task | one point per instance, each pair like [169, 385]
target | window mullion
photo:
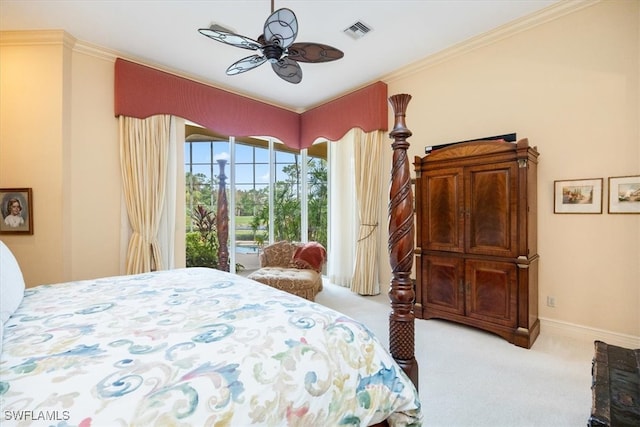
[190, 186]
[304, 220]
[231, 196]
[272, 186]
[212, 172]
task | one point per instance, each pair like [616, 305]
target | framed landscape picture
[624, 194]
[17, 211]
[578, 196]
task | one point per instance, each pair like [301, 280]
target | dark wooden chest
[616, 387]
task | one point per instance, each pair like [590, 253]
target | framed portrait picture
[624, 194]
[578, 196]
[17, 211]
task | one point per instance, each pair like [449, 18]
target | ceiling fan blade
[281, 27]
[232, 39]
[245, 64]
[313, 52]
[288, 69]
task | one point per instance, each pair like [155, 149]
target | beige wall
[59, 136]
[95, 181]
[570, 85]
[32, 137]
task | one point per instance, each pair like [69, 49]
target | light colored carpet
[473, 378]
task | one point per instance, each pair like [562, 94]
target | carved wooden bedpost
[401, 242]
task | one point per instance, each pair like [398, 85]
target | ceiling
[164, 34]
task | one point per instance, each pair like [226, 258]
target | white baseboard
[571, 330]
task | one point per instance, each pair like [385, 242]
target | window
[273, 192]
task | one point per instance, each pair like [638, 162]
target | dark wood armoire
[476, 237]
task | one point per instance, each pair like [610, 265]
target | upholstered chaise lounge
[292, 267]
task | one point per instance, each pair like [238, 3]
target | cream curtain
[167, 227]
[144, 151]
[355, 183]
[342, 212]
[367, 162]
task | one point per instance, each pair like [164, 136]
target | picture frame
[16, 207]
[578, 196]
[624, 194]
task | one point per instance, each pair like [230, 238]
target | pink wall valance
[365, 108]
[141, 92]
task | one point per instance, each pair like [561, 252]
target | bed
[203, 347]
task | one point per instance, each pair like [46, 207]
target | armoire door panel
[492, 210]
[443, 210]
[492, 291]
[444, 284]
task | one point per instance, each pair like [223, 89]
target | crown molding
[96, 51]
[37, 37]
[548, 14]
[54, 37]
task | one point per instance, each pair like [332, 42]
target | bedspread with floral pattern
[193, 347]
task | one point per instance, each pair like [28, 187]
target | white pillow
[11, 283]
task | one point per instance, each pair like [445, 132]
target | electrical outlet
[551, 301]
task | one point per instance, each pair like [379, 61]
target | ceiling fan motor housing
[272, 52]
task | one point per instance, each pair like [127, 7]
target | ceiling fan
[276, 45]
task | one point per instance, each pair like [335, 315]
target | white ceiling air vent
[358, 30]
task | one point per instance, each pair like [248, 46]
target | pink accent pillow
[311, 256]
